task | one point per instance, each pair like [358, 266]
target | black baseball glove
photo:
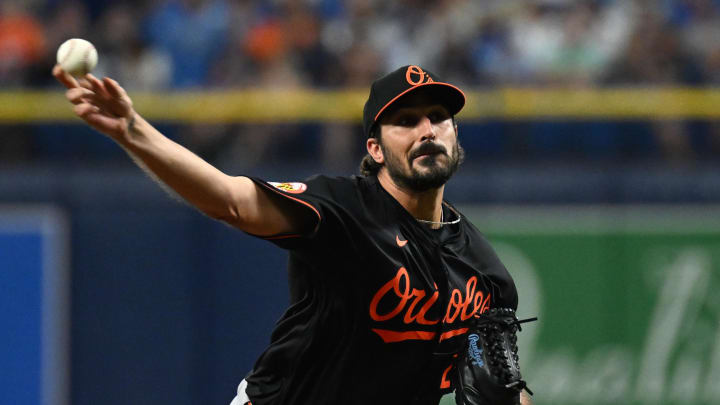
[488, 372]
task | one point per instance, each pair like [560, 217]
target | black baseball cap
[393, 86]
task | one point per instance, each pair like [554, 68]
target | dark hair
[368, 165]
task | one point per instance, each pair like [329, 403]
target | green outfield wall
[628, 300]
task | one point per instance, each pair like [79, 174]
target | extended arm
[105, 106]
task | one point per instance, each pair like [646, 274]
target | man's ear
[374, 149]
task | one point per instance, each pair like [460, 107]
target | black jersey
[380, 303]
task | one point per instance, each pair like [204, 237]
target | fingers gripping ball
[77, 56]
[488, 371]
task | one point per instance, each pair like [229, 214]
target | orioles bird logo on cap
[414, 72]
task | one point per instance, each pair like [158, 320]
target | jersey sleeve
[318, 194]
[506, 294]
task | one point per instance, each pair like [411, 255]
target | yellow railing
[256, 106]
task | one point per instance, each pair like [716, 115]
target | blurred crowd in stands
[182, 44]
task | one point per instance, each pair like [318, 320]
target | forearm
[525, 398]
[105, 106]
[208, 189]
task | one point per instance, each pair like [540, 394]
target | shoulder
[317, 184]
[479, 243]
[336, 187]
[332, 181]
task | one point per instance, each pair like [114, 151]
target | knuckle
[83, 110]
[79, 110]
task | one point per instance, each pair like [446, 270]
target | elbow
[226, 217]
[230, 202]
[230, 215]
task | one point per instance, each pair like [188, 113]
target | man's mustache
[428, 148]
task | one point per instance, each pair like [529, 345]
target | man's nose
[427, 130]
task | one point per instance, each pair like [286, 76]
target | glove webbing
[492, 326]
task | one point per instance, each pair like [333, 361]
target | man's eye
[407, 121]
[437, 116]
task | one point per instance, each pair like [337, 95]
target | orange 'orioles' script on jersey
[462, 304]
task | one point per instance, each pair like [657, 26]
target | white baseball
[77, 56]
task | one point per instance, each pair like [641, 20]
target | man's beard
[434, 177]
